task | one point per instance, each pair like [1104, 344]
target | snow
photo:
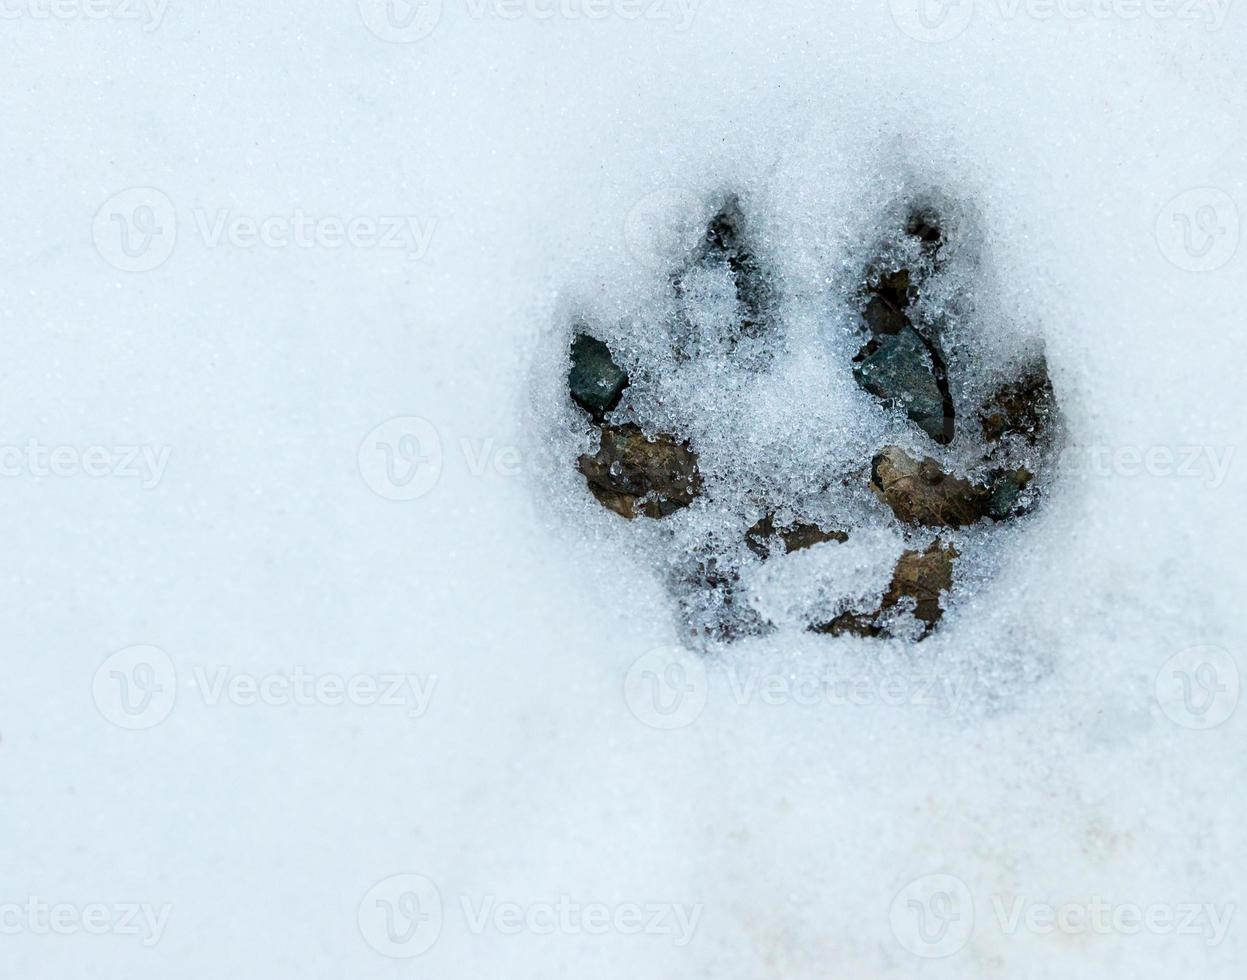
[380, 689]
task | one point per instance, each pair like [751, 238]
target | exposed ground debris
[762, 537]
[637, 475]
[1021, 408]
[918, 585]
[596, 382]
[902, 363]
[919, 492]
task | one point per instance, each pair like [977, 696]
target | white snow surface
[783, 819]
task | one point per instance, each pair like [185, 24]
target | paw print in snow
[827, 460]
